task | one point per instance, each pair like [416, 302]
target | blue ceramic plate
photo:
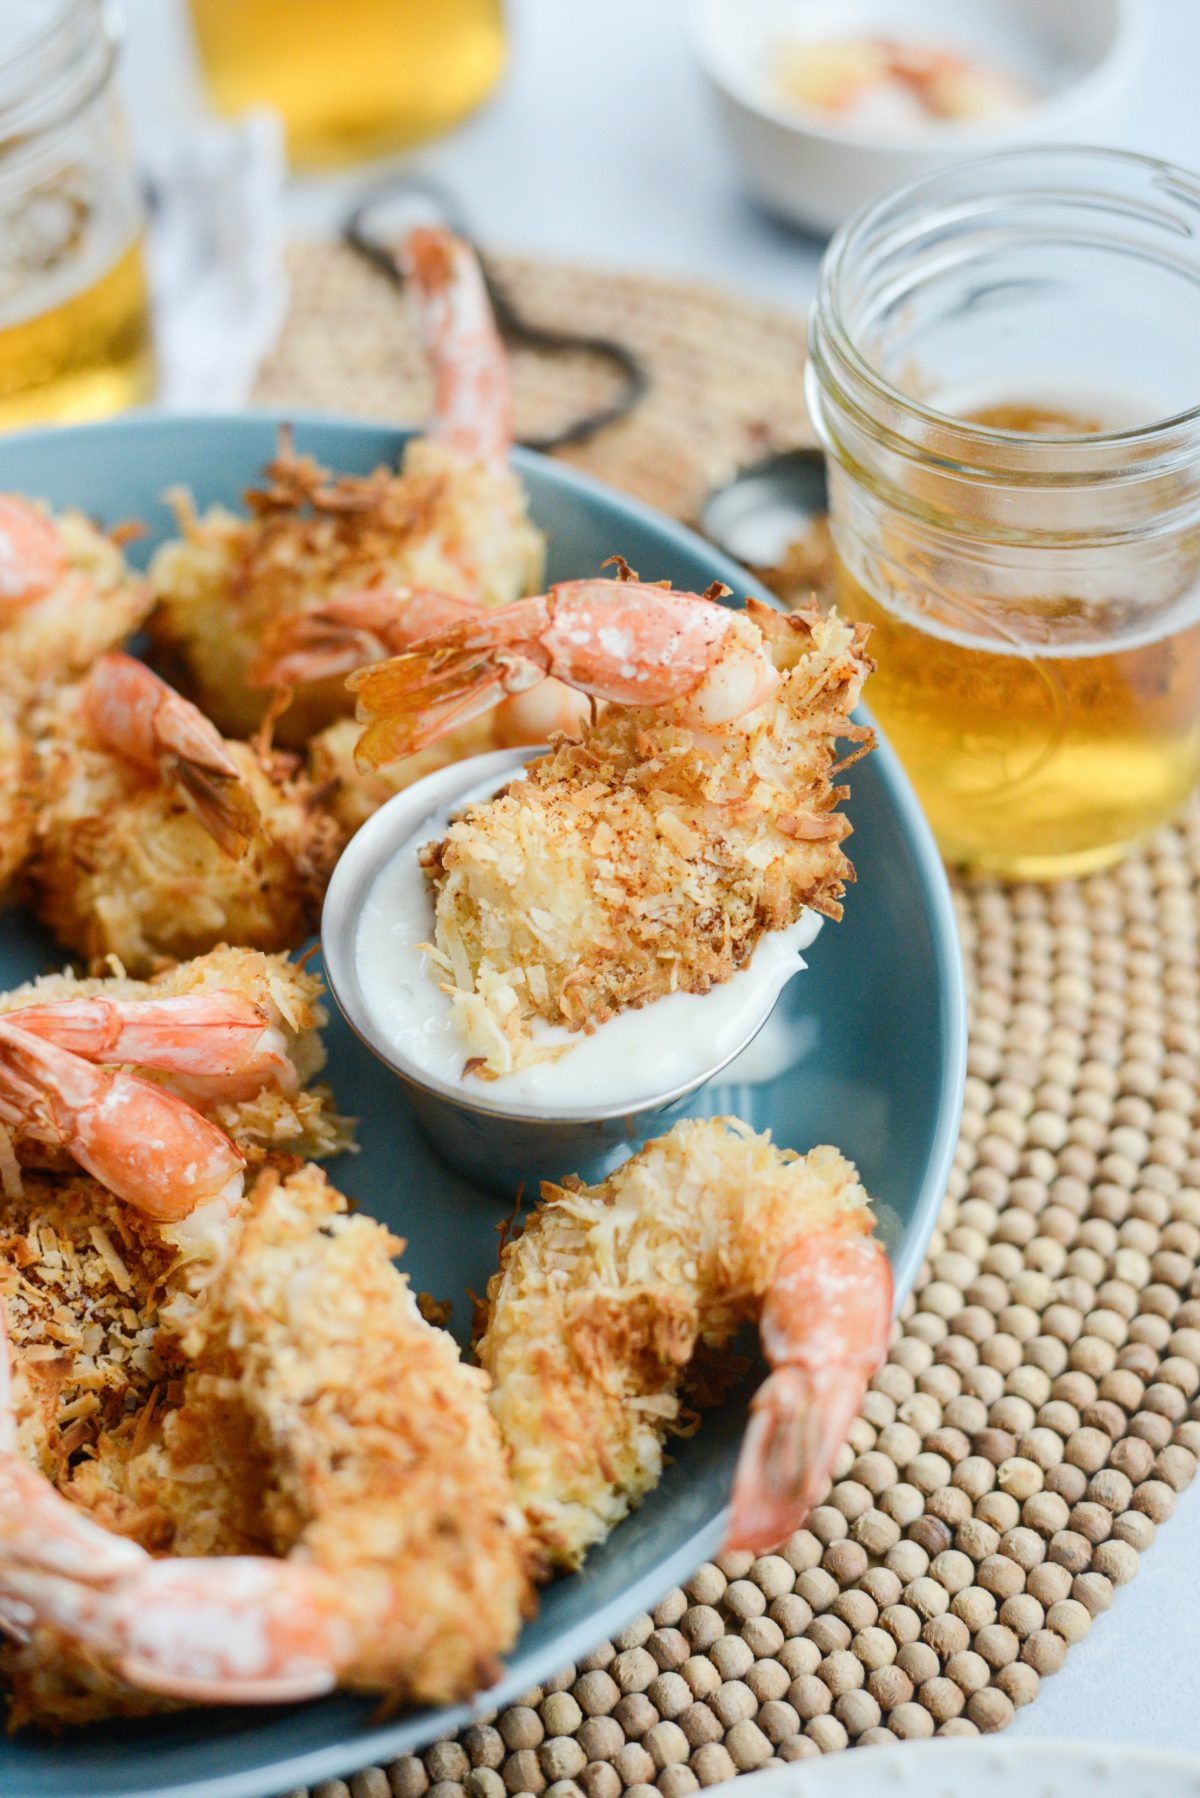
[876, 1047]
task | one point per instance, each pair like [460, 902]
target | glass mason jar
[351, 78]
[74, 310]
[1005, 374]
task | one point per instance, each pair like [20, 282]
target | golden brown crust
[445, 523]
[292, 1401]
[122, 866]
[649, 858]
[601, 1303]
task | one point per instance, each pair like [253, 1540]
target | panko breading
[311, 1413]
[271, 1121]
[121, 864]
[603, 1299]
[446, 522]
[385, 1466]
[79, 1278]
[96, 602]
[649, 858]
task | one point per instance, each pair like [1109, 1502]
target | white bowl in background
[1079, 56]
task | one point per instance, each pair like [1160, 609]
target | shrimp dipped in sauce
[236, 596]
[66, 597]
[156, 839]
[650, 855]
[608, 1293]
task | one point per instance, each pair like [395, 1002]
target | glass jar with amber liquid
[351, 78]
[75, 337]
[1005, 374]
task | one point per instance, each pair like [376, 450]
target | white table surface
[599, 146]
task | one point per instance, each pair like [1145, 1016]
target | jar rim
[836, 353]
[52, 75]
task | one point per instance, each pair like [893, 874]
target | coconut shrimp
[66, 596]
[453, 520]
[156, 839]
[651, 855]
[604, 1299]
[235, 1032]
[364, 1533]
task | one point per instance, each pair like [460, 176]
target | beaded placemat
[1037, 1414]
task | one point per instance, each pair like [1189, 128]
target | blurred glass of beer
[351, 78]
[1005, 373]
[75, 338]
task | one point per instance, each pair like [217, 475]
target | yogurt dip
[673, 1043]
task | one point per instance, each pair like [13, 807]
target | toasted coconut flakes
[111, 1259]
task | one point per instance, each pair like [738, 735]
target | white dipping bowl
[1078, 55]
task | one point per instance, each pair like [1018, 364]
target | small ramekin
[477, 1134]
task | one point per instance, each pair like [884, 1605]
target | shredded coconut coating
[299, 1405]
[79, 1276]
[386, 1467]
[96, 604]
[603, 1300]
[121, 866]
[648, 858]
[445, 522]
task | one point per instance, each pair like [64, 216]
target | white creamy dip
[626, 1061]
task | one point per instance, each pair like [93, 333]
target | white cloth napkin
[216, 257]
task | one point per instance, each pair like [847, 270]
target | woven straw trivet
[1037, 1414]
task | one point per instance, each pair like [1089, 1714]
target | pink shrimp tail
[353, 630]
[230, 1630]
[824, 1327]
[138, 716]
[217, 1044]
[472, 393]
[144, 1143]
[416, 699]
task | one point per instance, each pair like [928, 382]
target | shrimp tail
[221, 801]
[798, 1422]
[139, 717]
[145, 1144]
[413, 700]
[472, 394]
[824, 1328]
[230, 1630]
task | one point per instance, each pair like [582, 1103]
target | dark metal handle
[429, 201]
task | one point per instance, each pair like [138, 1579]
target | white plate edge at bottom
[981, 1767]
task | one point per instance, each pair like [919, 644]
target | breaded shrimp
[235, 1031]
[392, 1556]
[454, 519]
[651, 855]
[603, 1299]
[156, 839]
[66, 596]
